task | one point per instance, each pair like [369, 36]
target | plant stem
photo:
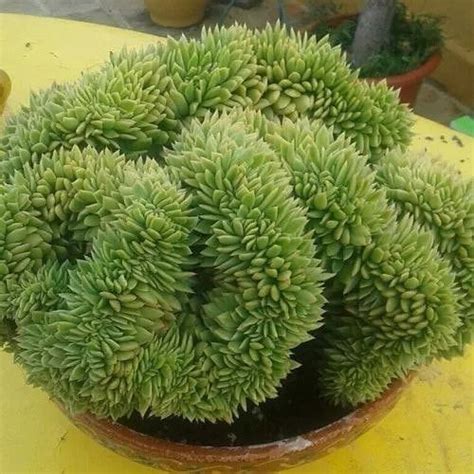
[373, 30]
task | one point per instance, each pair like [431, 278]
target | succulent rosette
[175, 224]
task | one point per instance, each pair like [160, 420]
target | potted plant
[385, 40]
[207, 233]
[176, 13]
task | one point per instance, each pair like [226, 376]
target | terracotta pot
[408, 83]
[5, 89]
[270, 457]
[176, 13]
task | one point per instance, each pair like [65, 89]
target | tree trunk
[373, 30]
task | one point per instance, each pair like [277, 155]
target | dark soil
[298, 409]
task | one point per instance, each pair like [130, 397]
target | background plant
[385, 39]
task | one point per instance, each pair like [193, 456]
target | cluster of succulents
[442, 202]
[168, 225]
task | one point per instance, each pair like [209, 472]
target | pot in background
[176, 13]
[408, 83]
[269, 457]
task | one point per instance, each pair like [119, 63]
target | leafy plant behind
[413, 39]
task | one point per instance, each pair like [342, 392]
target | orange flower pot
[176, 13]
[270, 457]
[409, 83]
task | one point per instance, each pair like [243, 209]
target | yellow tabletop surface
[431, 430]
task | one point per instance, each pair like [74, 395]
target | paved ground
[433, 102]
[131, 13]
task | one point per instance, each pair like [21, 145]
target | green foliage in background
[412, 39]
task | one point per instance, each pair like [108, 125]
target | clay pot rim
[316, 440]
[411, 76]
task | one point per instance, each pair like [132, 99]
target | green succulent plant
[168, 225]
[398, 297]
[125, 330]
[139, 100]
[442, 202]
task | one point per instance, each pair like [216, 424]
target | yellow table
[431, 430]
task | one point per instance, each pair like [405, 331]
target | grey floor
[129, 14]
[433, 102]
